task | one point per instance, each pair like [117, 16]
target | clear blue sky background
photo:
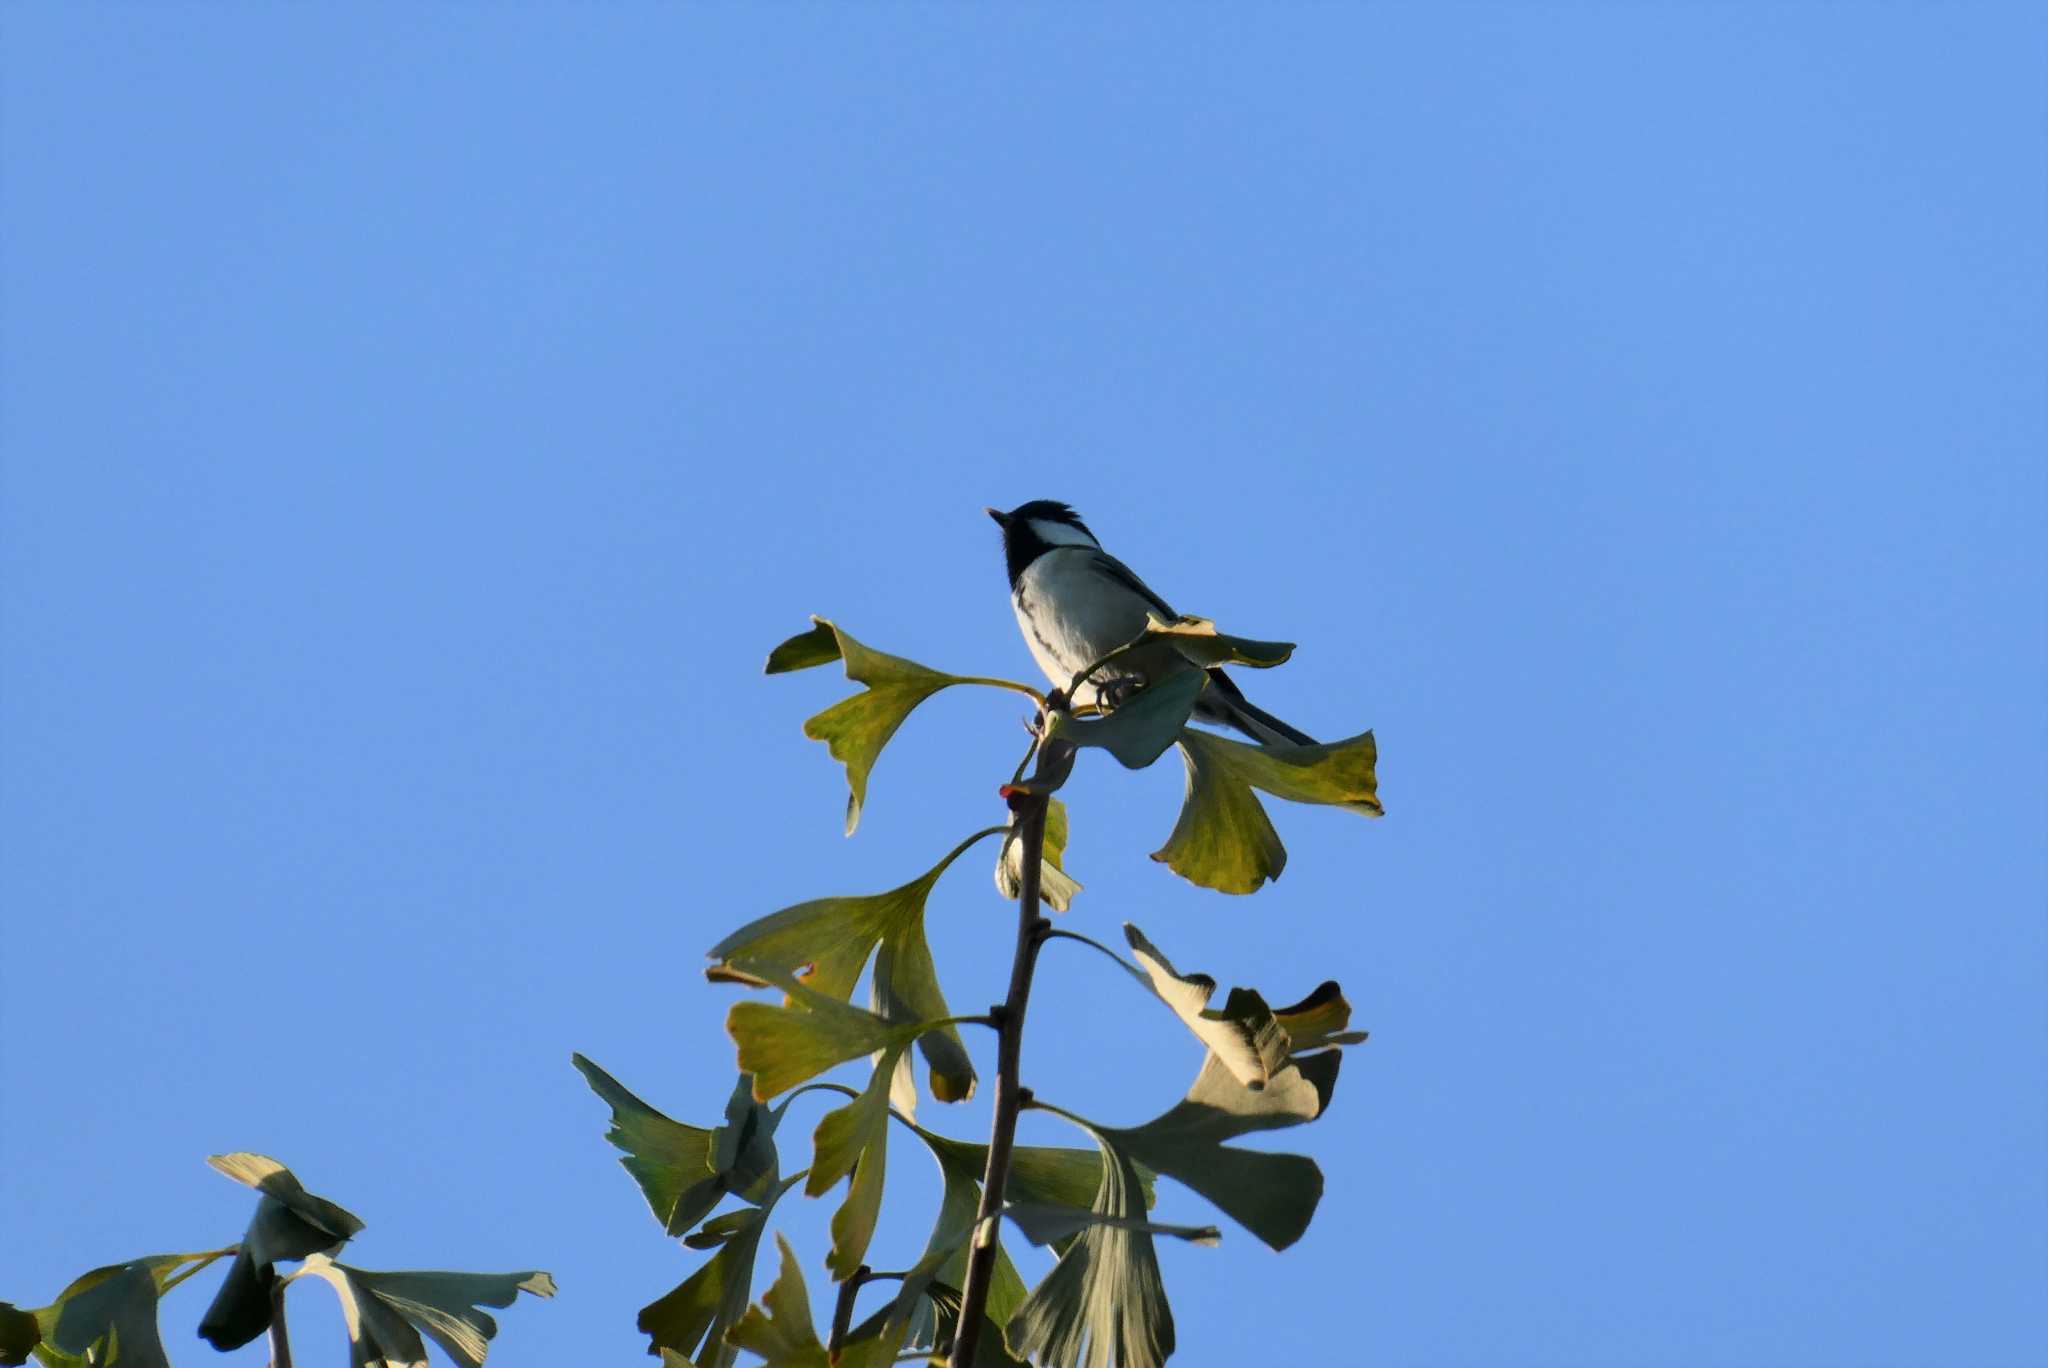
[420, 420]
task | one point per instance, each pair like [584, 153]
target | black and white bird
[1076, 603]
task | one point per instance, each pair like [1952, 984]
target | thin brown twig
[1028, 802]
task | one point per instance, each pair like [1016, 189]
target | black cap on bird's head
[1032, 529]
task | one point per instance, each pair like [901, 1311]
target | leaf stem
[1055, 760]
[203, 1260]
[1129, 968]
[1012, 685]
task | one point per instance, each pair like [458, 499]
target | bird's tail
[1224, 702]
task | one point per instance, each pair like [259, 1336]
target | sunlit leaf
[791, 1043]
[289, 1223]
[1104, 1303]
[1244, 1035]
[1318, 1020]
[698, 1312]
[780, 1328]
[1224, 839]
[1143, 726]
[386, 1313]
[828, 940]
[856, 729]
[1199, 643]
[855, 1139]
[819, 646]
[1056, 888]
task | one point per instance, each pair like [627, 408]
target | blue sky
[418, 422]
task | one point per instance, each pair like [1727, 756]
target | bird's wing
[1123, 574]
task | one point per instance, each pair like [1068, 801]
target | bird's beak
[1002, 519]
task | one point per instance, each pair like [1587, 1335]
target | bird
[1076, 603]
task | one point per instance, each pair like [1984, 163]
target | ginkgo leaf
[855, 1139]
[1318, 1020]
[779, 1329]
[385, 1313]
[1223, 838]
[1104, 1302]
[827, 942]
[289, 1223]
[1138, 730]
[791, 1043]
[927, 1300]
[697, 1313]
[1199, 643]
[1271, 1195]
[856, 729]
[106, 1316]
[1244, 1035]
[673, 1163]
[1056, 888]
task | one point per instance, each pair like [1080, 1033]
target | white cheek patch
[1060, 534]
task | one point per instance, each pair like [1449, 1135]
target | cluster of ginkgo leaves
[108, 1318]
[1103, 1303]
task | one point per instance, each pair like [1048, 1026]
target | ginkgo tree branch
[1029, 802]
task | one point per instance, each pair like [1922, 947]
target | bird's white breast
[1072, 614]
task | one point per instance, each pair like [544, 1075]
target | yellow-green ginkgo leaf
[1244, 1034]
[807, 1033]
[779, 1328]
[105, 1316]
[856, 729]
[1199, 643]
[827, 942]
[1224, 839]
[1056, 888]
[692, 1319]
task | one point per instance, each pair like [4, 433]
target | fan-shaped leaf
[1104, 1302]
[1318, 1020]
[808, 1033]
[1271, 1195]
[1199, 643]
[828, 940]
[699, 1311]
[1056, 888]
[1245, 1036]
[856, 729]
[1223, 839]
[855, 1139]
[779, 1329]
[674, 1164]
[105, 1316]
[1140, 729]
[386, 1312]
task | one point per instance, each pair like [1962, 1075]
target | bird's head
[1032, 529]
